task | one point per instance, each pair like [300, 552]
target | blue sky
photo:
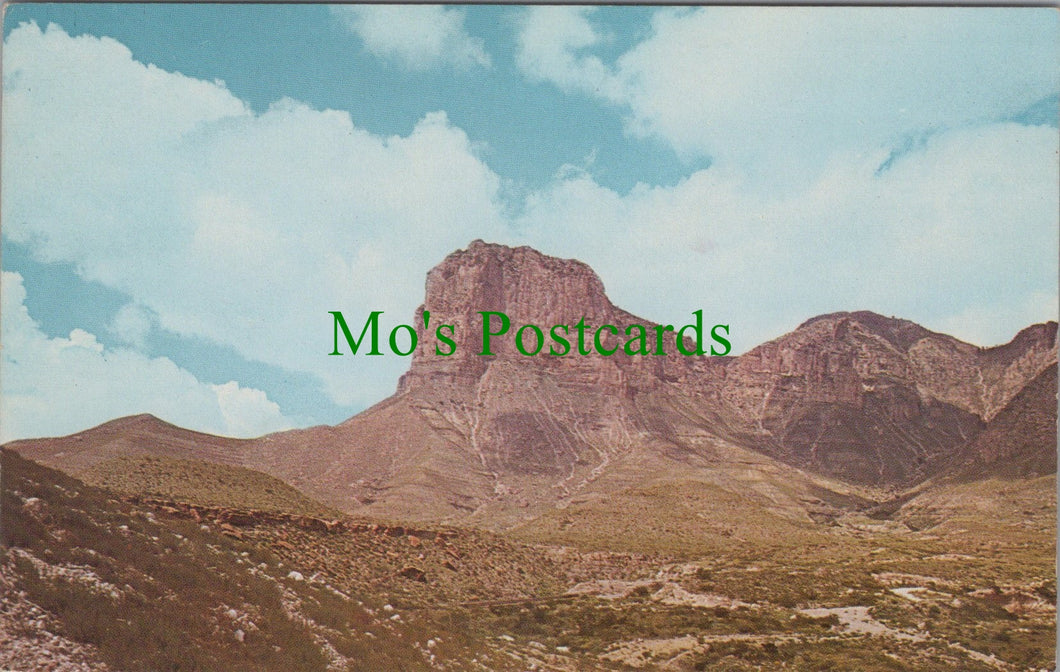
[188, 189]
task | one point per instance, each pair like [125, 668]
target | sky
[188, 190]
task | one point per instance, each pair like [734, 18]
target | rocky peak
[842, 357]
[530, 288]
[524, 284]
[541, 414]
[841, 395]
[898, 332]
[835, 358]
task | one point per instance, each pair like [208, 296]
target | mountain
[859, 493]
[854, 397]
[877, 400]
[804, 426]
[132, 436]
[500, 439]
[1020, 441]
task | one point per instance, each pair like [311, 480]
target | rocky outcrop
[532, 288]
[1020, 440]
[982, 380]
[229, 519]
[543, 414]
[527, 286]
[859, 397]
[839, 395]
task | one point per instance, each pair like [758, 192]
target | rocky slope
[134, 436]
[88, 582]
[879, 400]
[801, 424]
[1020, 441]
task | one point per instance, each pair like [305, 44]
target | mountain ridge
[849, 402]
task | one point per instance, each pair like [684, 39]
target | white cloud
[54, 386]
[779, 89]
[420, 37]
[244, 229]
[548, 50]
[246, 410]
[132, 323]
[961, 234]
[859, 160]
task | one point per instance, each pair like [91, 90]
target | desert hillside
[861, 493]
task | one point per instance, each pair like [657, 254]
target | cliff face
[852, 358]
[1020, 440]
[541, 414]
[858, 397]
[527, 286]
[532, 288]
[878, 400]
[983, 380]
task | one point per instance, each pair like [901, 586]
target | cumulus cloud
[960, 234]
[860, 159]
[54, 386]
[244, 229]
[247, 410]
[782, 88]
[419, 37]
[552, 46]
[132, 323]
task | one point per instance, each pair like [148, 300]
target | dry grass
[202, 483]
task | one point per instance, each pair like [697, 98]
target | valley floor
[960, 579]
